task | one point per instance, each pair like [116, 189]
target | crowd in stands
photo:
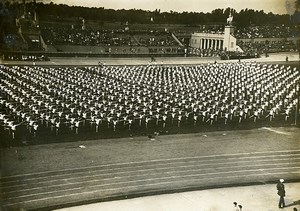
[126, 97]
[12, 41]
[251, 47]
[59, 35]
[160, 40]
[250, 32]
[211, 29]
[267, 31]
[266, 46]
[106, 37]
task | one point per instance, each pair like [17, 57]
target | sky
[275, 6]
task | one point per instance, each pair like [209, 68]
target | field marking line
[276, 131]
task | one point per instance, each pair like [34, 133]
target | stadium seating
[105, 37]
[267, 31]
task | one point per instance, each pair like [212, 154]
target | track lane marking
[149, 161]
[159, 178]
[143, 185]
[158, 164]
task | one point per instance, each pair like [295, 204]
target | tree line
[9, 11]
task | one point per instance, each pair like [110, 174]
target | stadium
[101, 105]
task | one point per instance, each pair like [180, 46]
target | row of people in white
[115, 94]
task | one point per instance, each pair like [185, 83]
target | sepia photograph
[149, 105]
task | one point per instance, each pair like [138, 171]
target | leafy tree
[297, 4]
[54, 12]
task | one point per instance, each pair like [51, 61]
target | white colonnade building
[223, 41]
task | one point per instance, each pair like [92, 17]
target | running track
[46, 190]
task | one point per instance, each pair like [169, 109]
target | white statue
[230, 19]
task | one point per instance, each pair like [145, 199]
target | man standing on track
[281, 193]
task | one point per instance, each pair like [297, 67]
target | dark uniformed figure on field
[281, 193]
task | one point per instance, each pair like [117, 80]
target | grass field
[87, 133]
